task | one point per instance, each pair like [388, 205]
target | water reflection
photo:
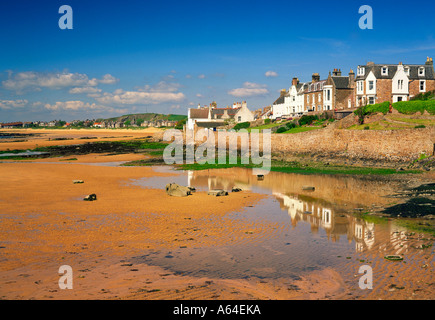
[316, 226]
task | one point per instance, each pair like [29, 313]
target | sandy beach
[45, 223]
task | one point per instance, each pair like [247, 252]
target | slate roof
[429, 73]
[280, 100]
[198, 113]
[211, 124]
[341, 82]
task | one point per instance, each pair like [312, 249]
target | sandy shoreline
[45, 223]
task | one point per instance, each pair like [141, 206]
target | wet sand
[45, 223]
[48, 137]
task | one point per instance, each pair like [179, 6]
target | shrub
[366, 128]
[307, 120]
[242, 125]
[421, 126]
[266, 121]
[383, 107]
[281, 130]
[424, 96]
[411, 107]
[290, 125]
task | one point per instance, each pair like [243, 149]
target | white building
[290, 104]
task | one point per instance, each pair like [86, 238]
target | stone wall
[390, 145]
[379, 145]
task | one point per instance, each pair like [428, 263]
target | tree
[361, 114]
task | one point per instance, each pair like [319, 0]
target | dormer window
[361, 71]
[385, 71]
[421, 71]
[406, 70]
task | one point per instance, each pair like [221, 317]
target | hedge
[242, 125]
[411, 107]
[383, 107]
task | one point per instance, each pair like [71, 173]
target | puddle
[316, 229]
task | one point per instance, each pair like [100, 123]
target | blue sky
[166, 56]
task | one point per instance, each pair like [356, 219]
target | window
[400, 84]
[328, 95]
[319, 97]
[239, 118]
[371, 85]
[308, 99]
[421, 71]
[422, 86]
[406, 70]
[385, 71]
[361, 71]
[371, 100]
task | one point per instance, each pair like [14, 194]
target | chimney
[429, 61]
[336, 73]
[370, 64]
[295, 82]
[283, 92]
[351, 78]
[316, 77]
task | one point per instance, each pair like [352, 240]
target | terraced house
[313, 94]
[290, 103]
[377, 83]
[339, 92]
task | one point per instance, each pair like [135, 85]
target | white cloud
[108, 79]
[160, 93]
[271, 74]
[81, 106]
[249, 89]
[140, 97]
[12, 104]
[79, 90]
[199, 95]
[37, 80]
[201, 76]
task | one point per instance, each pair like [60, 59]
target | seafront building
[341, 95]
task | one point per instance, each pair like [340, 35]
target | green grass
[302, 129]
[298, 168]
[426, 122]
[141, 144]
[417, 226]
[267, 126]
[347, 170]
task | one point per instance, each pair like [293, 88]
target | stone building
[377, 83]
[339, 92]
[313, 95]
[213, 117]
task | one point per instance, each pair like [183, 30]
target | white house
[290, 103]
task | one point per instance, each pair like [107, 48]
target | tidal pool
[313, 229]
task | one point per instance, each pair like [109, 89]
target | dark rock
[91, 197]
[217, 193]
[236, 190]
[175, 190]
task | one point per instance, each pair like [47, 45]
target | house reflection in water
[335, 225]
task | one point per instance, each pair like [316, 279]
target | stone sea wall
[379, 145]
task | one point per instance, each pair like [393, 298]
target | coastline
[48, 225]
